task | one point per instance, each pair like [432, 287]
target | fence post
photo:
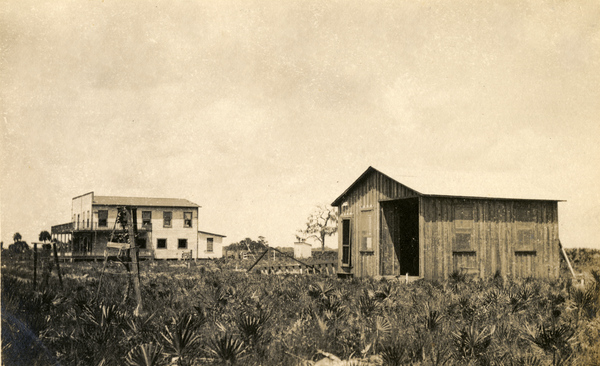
[34, 265]
[57, 265]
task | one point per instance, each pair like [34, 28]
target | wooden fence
[328, 268]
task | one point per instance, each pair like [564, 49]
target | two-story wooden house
[167, 227]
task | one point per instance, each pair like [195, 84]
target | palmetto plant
[226, 349]
[366, 303]
[320, 290]
[432, 319]
[585, 301]
[472, 342]
[252, 328]
[181, 336]
[521, 298]
[392, 354]
[552, 340]
[382, 328]
[137, 327]
[148, 354]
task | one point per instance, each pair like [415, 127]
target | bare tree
[321, 223]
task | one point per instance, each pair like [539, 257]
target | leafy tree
[249, 244]
[18, 247]
[17, 237]
[45, 236]
[321, 223]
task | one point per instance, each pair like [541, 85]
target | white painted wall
[302, 250]
[217, 251]
[172, 234]
[81, 211]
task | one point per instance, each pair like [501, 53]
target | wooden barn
[431, 227]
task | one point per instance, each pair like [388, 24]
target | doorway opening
[400, 237]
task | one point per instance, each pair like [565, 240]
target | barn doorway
[399, 251]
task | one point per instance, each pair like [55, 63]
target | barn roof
[467, 185]
[142, 201]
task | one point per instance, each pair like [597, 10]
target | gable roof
[142, 201]
[464, 185]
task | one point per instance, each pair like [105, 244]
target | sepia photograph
[300, 182]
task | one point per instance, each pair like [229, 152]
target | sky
[259, 111]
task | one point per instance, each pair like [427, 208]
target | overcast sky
[260, 110]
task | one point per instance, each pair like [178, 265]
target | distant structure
[302, 250]
[167, 228]
[430, 228]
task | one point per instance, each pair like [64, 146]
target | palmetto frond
[182, 334]
[472, 342]
[227, 349]
[382, 325]
[432, 319]
[148, 354]
[549, 339]
[252, 328]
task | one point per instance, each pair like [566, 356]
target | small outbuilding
[302, 250]
[210, 245]
[434, 226]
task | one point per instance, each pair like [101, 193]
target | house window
[146, 218]
[122, 217]
[140, 243]
[77, 221]
[167, 216]
[209, 245]
[463, 227]
[161, 243]
[366, 231]
[182, 244]
[346, 243]
[102, 218]
[187, 219]
[88, 219]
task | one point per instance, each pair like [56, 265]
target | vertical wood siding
[494, 238]
[364, 198]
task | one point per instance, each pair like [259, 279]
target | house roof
[213, 234]
[467, 185]
[142, 201]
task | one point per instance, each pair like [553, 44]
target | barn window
[345, 208]
[463, 227]
[209, 244]
[525, 223]
[366, 231]
[102, 218]
[161, 243]
[346, 244]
